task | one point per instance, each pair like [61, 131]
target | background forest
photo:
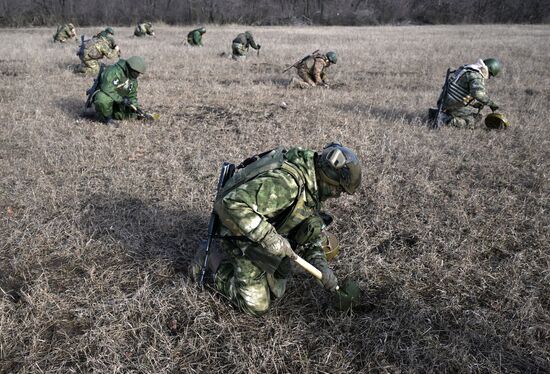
[272, 12]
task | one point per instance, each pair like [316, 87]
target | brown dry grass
[448, 237]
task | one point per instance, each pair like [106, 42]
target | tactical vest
[457, 93]
[305, 203]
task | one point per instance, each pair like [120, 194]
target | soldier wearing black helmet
[269, 210]
[465, 91]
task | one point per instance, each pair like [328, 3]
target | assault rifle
[226, 173]
[295, 65]
[439, 117]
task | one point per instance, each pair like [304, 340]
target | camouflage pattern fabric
[194, 38]
[97, 49]
[64, 33]
[115, 84]
[278, 200]
[312, 70]
[241, 44]
[468, 88]
[143, 29]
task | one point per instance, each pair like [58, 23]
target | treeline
[271, 12]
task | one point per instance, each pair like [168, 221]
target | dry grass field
[447, 237]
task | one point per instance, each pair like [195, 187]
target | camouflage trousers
[298, 83]
[105, 107]
[463, 117]
[247, 286]
[88, 67]
[239, 51]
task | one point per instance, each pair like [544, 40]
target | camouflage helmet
[202, 29]
[332, 57]
[109, 30]
[339, 166]
[493, 65]
[71, 26]
[137, 63]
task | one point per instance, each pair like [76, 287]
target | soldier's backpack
[87, 48]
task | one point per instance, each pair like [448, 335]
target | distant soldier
[241, 44]
[107, 33]
[93, 50]
[269, 210]
[65, 32]
[312, 70]
[194, 38]
[143, 29]
[464, 88]
[115, 93]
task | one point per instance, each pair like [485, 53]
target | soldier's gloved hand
[259, 46]
[329, 280]
[478, 105]
[276, 245]
[127, 102]
[493, 106]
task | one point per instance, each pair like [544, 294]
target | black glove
[127, 102]
[493, 106]
[478, 105]
[329, 280]
[259, 46]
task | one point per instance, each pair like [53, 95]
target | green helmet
[332, 57]
[248, 34]
[137, 63]
[202, 30]
[493, 65]
[109, 30]
[339, 166]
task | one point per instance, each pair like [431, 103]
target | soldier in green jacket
[269, 209]
[194, 38]
[241, 44]
[65, 32]
[115, 97]
[465, 91]
[143, 29]
[92, 51]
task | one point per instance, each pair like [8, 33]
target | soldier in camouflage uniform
[107, 33]
[241, 44]
[115, 96]
[466, 90]
[143, 29]
[194, 38]
[270, 208]
[312, 70]
[65, 32]
[93, 50]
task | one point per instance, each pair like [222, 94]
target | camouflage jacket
[143, 29]
[63, 33]
[116, 83]
[313, 69]
[284, 199]
[194, 37]
[97, 48]
[247, 41]
[464, 86]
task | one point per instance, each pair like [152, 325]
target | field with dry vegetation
[447, 237]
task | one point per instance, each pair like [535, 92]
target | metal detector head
[496, 121]
[347, 295]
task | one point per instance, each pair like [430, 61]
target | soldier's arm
[252, 43]
[318, 67]
[108, 51]
[197, 38]
[133, 94]
[245, 210]
[477, 90]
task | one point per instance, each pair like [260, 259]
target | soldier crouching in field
[144, 29]
[65, 32]
[312, 70]
[269, 210]
[114, 94]
[241, 44]
[464, 91]
[93, 50]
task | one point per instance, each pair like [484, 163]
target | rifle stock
[438, 119]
